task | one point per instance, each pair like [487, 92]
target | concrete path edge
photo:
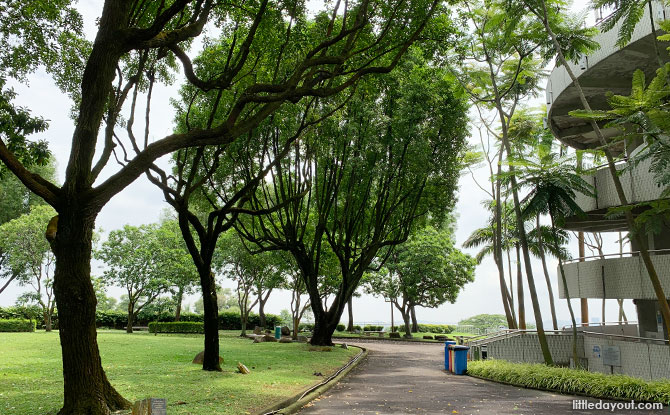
[294, 404]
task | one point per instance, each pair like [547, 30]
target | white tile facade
[614, 278]
[648, 361]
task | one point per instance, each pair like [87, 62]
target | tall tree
[425, 271]
[136, 260]
[17, 200]
[176, 263]
[487, 239]
[370, 172]
[30, 259]
[551, 21]
[507, 48]
[256, 275]
[135, 45]
[553, 184]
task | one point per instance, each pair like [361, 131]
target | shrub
[16, 325]
[176, 327]
[436, 328]
[306, 327]
[340, 327]
[572, 381]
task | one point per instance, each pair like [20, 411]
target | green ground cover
[142, 365]
[571, 381]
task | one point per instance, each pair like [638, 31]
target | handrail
[603, 324]
[618, 255]
[512, 332]
[515, 332]
[625, 337]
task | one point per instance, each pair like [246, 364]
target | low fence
[605, 353]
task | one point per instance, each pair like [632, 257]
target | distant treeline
[119, 319]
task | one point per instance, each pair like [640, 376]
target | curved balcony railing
[610, 68]
[638, 184]
[616, 276]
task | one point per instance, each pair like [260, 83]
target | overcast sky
[142, 203]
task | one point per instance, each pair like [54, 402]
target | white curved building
[640, 349]
[610, 69]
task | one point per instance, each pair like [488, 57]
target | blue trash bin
[460, 359]
[447, 354]
[277, 332]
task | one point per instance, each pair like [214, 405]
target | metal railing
[624, 337]
[617, 255]
[505, 334]
[601, 324]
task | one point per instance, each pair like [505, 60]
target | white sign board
[611, 355]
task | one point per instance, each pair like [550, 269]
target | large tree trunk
[180, 298]
[86, 388]
[519, 287]
[243, 323]
[324, 328]
[296, 327]
[261, 311]
[47, 321]
[415, 324]
[211, 320]
[350, 308]
[131, 315]
[408, 325]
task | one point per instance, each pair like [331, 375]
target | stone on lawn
[394, 335]
[243, 369]
[269, 338]
[441, 338]
[258, 330]
[302, 339]
[199, 358]
[286, 340]
[428, 337]
[285, 331]
[344, 346]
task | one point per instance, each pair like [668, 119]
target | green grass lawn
[141, 365]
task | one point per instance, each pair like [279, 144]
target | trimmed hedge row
[16, 325]
[431, 328]
[119, 319]
[373, 328]
[176, 327]
[571, 381]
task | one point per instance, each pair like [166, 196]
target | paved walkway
[408, 378]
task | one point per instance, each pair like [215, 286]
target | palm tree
[552, 185]
[541, 241]
[548, 18]
[485, 237]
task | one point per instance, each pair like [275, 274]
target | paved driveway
[409, 378]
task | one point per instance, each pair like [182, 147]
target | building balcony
[638, 184]
[609, 69]
[619, 276]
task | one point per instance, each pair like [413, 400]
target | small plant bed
[571, 381]
[142, 365]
